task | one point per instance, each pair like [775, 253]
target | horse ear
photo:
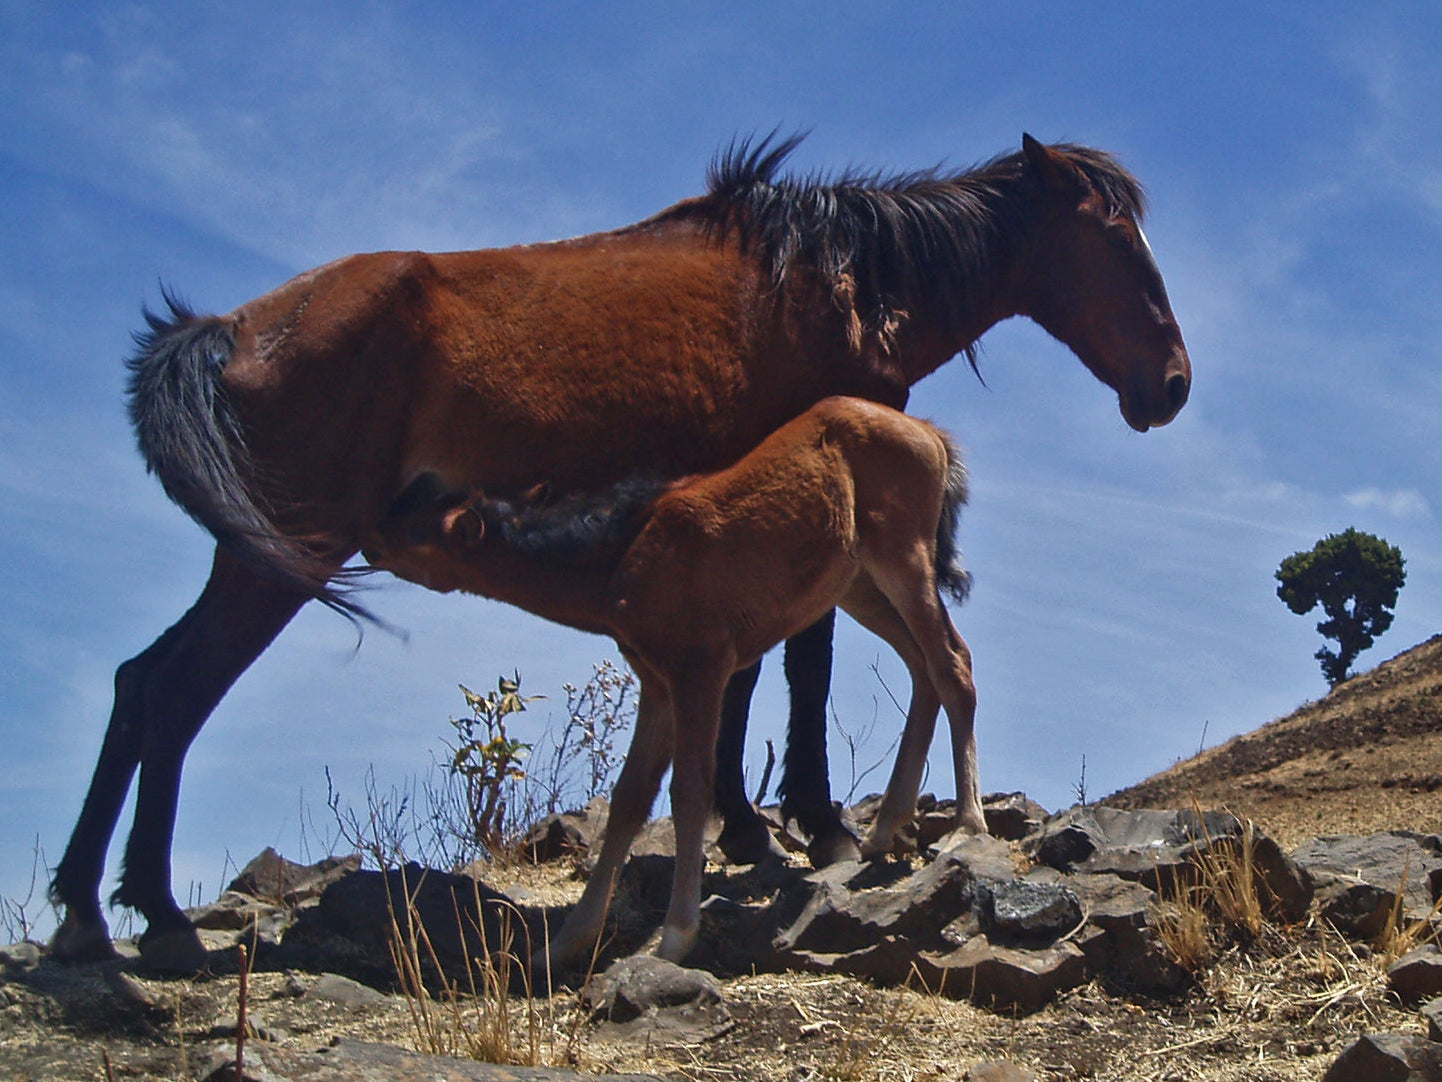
[1056, 172]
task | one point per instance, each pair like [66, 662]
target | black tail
[951, 577]
[193, 442]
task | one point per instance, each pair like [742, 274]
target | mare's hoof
[78, 940]
[833, 847]
[748, 842]
[176, 951]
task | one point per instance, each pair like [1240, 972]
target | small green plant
[1355, 577]
[487, 759]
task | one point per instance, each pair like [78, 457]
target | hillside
[1367, 757]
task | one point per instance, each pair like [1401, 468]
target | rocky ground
[1038, 957]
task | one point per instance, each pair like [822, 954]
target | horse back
[575, 364]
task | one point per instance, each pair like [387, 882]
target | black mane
[891, 239]
[580, 528]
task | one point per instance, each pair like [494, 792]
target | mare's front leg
[162, 698]
[631, 800]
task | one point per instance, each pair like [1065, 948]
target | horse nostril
[1178, 388]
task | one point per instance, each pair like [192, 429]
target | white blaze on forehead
[1147, 248]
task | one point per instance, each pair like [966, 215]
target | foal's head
[1091, 282]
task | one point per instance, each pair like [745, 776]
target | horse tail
[951, 577]
[577, 529]
[191, 438]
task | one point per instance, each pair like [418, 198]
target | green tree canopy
[1355, 577]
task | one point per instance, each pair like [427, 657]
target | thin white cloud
[1399, 503]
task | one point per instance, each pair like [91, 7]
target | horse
[289, 427]
[851, 504]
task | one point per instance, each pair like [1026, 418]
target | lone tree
[1355, 577]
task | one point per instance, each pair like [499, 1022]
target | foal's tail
[951, 577]
[192, 440]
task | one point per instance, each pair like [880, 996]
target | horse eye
[1120, 236]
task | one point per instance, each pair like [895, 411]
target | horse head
[1092, 282]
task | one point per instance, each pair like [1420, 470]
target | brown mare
[851, 504]
[289, 427]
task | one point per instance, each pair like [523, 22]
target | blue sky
[1124, 608]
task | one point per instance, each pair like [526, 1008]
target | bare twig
[766, 773]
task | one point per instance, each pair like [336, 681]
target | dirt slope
[1365, 758]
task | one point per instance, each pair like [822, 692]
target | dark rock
[1012, 816]
[1127, 948]
[269, 877]
[362, 1061]
[1417, 975]
[1166, 850]
[463, 919]
[887, 961]
[1352, 906]
[17, 958]
[567, 833]
[649, 995]
[1003, 977]
[643, 982]
[344, 992]
[1029, 911]
[1067, 840]
[1287, 885]
[842, 915]
[657, 838]
[1386, 860]
[1387, 1057]
[1432, 1012]
[999, 1071]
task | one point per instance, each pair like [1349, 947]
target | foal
[852, 503]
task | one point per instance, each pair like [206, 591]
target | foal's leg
[631, 800]
[162, 698]
[696, 698]
[870, 608]
[910, 586]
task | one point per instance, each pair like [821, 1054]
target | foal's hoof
[833, 847]
[81, 941]
[176, 951]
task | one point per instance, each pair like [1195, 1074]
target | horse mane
[889, 240]
[582, 528]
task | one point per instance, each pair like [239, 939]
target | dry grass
[1194, 917]
[481, 1018]
[1398, 935]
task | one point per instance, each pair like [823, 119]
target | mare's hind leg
[744, 838]
[631, 800]
[162, 698]
[806, 780]
[806, 783]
